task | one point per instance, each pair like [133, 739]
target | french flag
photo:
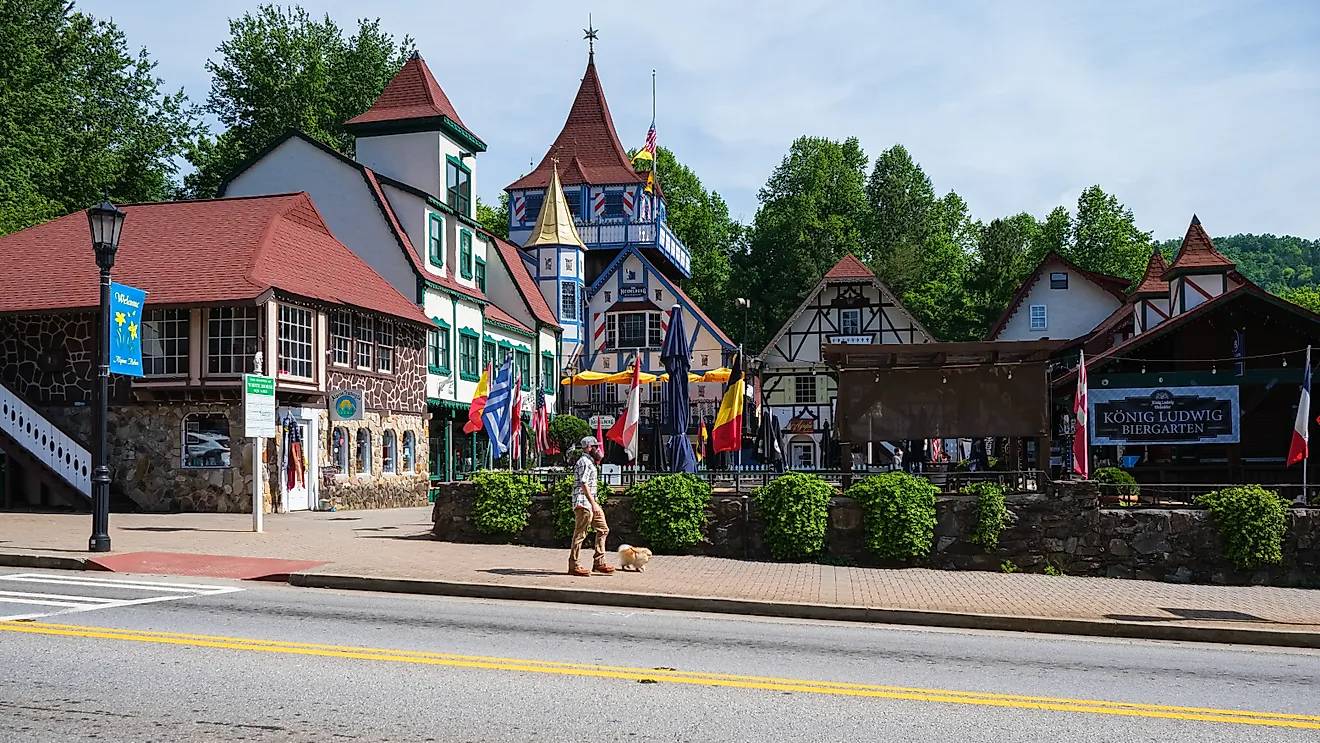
[1301, 428]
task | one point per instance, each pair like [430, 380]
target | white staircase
[44, 442]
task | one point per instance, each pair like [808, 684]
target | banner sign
[1164, 415]
[347, 405]
[259, 406]
[855, 340]
[632, 291]
[801, 425]
[126, 330]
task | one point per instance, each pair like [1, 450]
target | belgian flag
[727, 435]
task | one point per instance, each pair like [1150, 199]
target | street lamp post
[106, 222]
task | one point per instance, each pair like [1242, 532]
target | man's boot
[603, 569]
[578, 571]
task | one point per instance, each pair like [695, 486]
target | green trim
[422, 124]
[526, 378]
[465, 253]
[454, 405]
[470, 333]
[458, 163]
[463, 373]
[481, 274]
[435, 246]
[455, 293]
[504, 344]
[443, 369]
[510, 329]
[549, 381]
[440, 323]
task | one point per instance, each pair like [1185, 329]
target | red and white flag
[1081, 449]
[624, 430]
[541, 425]
[1301, 438]
[515, 439]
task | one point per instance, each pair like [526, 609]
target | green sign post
[259, 422]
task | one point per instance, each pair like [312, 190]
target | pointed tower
[1150, 298]
[412, 133]
[558, 253]
[1199, 273]
[608, 199]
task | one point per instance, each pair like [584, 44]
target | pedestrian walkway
[396, 544]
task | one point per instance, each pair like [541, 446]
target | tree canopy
[81, 116]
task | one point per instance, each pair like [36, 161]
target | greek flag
[498, 413]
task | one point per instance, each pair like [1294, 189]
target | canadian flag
[624, 430]
[1301, 437]
[1081, 450]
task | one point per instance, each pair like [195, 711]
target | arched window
[339, 450]
[363, 451]
[409, 452]
[389, 453]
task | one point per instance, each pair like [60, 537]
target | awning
[691, 377]
[717, 375]
[625, 377]
[585, 379]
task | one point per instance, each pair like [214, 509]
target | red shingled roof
[1198, 251]
[849, 267]
[1152, 282]
[526, 284]
[194, 252]
[587, 146]
[413, 93]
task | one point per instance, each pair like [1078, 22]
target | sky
[1176, 107]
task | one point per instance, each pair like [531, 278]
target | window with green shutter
[435, 243]
[481, 275]
[465, 253]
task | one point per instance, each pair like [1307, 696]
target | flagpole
[1307, 454]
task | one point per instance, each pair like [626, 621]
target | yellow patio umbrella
[717, 375]
[691, 377]
[585, 379]
[625, 377]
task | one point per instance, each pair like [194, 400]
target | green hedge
[898, 514]
[1114, 481]
[991, 513]
[671, 510]
[502, 502]
[1251, 524]
[795, 508]
[561, 504]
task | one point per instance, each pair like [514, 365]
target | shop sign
[801, 425]
[853, 340]
[632, 291]
[1164, 415]
[347, 405]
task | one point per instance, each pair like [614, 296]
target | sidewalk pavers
[396, 544]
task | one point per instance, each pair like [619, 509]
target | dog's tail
[625, 548]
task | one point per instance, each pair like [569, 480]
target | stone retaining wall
[1066, 529]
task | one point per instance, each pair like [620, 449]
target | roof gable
[1198, 253]
[589, 138]
[1112, 284]
[411, 95]
[522, 279]
[673, 287]
[1152, 281]
[173, 251]
[849, 267]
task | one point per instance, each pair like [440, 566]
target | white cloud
[1176, 108]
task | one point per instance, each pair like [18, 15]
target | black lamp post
[106, 221]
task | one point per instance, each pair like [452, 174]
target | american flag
[541, 425]
[650, 139]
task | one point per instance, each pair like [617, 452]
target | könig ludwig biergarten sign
[1164, 415]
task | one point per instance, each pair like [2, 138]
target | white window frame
[385, 346]
[221, 345]
[295, 333]
[799, 388]
[341, 334]
[844, 316]
[568, 301]
[364, 336]
[1043, 317]
[652, 334]
[408, 452]
[168, 333]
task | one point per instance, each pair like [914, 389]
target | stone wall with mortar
[1066, 529]
[353, 488]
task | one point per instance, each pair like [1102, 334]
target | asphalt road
[269, 662]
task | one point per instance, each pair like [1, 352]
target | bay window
[295, 342]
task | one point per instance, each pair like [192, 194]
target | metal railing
[45, 441]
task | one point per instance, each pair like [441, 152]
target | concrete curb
[830, 612]
[44, 561]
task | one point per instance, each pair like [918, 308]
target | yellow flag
[650, 182]
[643, 155]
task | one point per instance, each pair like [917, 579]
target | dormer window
[573, 197]
[1058, 281]
[534, 201]
[460, 186]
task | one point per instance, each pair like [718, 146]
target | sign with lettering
[632, 291]
[801, 425]
[856, 340]
[1164, 415]
[259, 406]
[347, 405]
[126, 329]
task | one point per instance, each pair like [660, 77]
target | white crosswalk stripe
[59, 594]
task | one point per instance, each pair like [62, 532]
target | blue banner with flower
[126, 329]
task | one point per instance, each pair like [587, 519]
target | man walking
[586, 511]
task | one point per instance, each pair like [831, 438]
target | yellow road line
[681, 677]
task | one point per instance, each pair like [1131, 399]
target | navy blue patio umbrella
[677, 412]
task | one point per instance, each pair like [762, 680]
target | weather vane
[590, 36]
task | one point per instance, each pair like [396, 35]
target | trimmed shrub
[567, 431]
[990, 513]
[898, 514]
[1115, 482]
[502, 501]
[671, 510]
[795, 507]
[1251, 523]
[561, 505]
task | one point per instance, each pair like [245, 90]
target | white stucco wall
[1069, 313]
[417, 159]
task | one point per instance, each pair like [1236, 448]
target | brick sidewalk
[396, 544]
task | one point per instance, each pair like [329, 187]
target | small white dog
[633, 558]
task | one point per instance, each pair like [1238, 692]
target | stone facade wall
[404, 390]
[1067, 530]
[347, 488]
[49, 358]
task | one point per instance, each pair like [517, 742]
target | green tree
[1306, 297]
[282, 69]
[81, 116]
[901, 199]
[1105, 237]
[812, 213]
[1005, 256]
[1055, 234]
[494, 220]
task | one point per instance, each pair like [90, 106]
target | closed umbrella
[674, 355]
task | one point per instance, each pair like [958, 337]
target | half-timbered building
[849, 305]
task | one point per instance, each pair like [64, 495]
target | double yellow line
[669, 676]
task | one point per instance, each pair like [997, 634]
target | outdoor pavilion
[903, 392]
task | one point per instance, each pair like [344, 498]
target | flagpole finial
[590, 34]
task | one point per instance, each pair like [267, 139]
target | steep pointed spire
[1152, 282]
[554, 225]
[1198, 253]
[413, 95]
[589, 138]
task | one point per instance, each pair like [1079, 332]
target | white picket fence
[43, 440]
